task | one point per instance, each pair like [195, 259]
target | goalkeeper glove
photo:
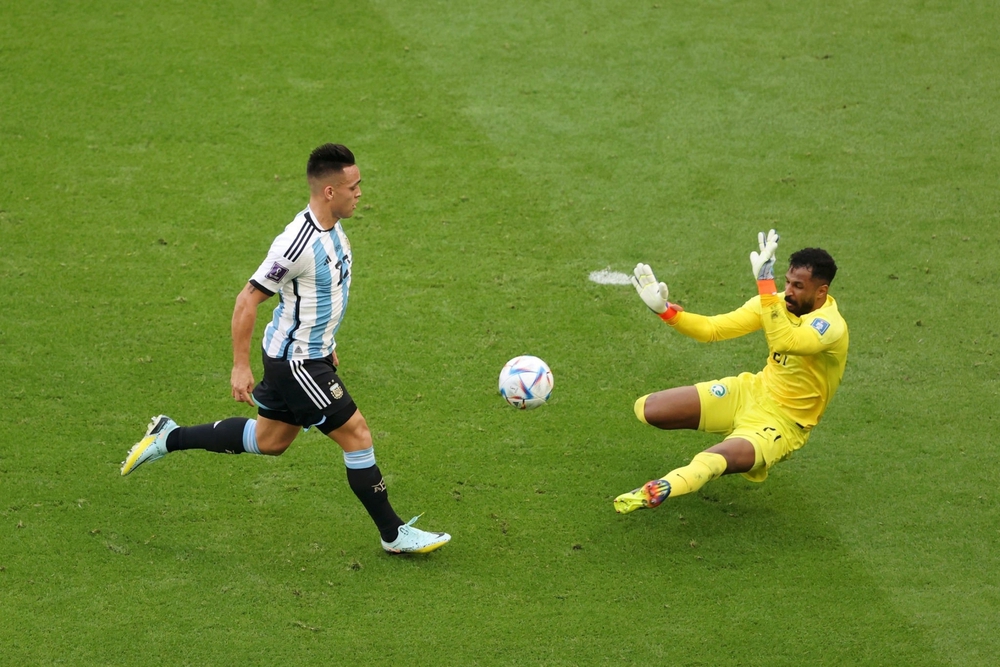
[762, 262]
[653, 294]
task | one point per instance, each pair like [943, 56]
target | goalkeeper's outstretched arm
[739, 322]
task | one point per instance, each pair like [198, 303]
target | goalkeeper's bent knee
[640, 408]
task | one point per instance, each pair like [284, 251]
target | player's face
[802, 290]
[343, 192]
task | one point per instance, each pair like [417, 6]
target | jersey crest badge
[718, 390]
[336, 391]
[276, 273]
[820, 325]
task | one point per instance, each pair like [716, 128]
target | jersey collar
[312, 220]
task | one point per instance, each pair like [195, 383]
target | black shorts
[304, 393]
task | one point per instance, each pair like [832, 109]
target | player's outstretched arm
[699, 327]
[244, 319]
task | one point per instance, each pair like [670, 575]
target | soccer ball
[526, 382]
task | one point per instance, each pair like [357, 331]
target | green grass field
[150, 151]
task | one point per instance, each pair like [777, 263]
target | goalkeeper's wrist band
[766, 286]
[669, 314]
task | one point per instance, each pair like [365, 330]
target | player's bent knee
[352, 435]
[740, 454]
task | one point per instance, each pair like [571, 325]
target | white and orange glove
[654, 294]
[762, 262]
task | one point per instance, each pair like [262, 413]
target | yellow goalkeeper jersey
[806, 357]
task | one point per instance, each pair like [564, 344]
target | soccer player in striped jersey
[762, 417]
[309, 267]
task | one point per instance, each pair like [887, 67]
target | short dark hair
[818, 261]
[328, 158]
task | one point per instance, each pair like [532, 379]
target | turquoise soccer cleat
[153, 445]
[412, 540]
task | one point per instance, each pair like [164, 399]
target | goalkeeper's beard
[798, 309]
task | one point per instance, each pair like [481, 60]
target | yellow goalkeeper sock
[703, 469]
[640, 408]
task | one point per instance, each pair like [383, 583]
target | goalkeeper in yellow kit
[764, 417]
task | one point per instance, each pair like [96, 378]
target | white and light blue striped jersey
[310, 268]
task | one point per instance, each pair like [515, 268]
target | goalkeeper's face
[803, 293]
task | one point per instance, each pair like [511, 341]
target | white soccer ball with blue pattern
[526, 382]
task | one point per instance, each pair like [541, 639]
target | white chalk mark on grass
[609, 277]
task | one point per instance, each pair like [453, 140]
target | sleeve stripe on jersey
[261, 287]
[301, 240]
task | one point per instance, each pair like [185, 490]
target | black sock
[369, 487]
[223, 437]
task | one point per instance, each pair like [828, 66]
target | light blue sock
[361, 459]
[250, 437]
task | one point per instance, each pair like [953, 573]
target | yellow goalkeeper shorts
[738, 407]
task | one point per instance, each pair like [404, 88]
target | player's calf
[677, 408]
